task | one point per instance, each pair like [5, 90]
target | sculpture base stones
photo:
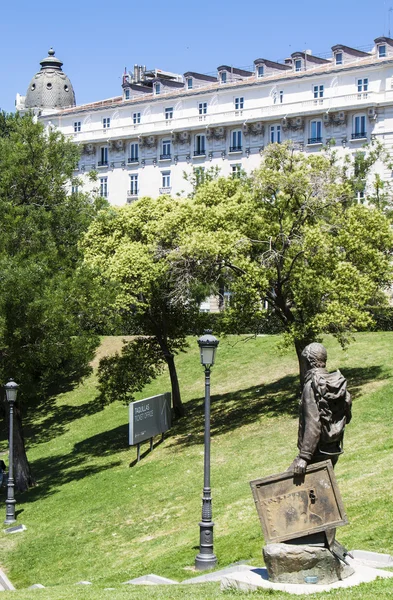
[298, 563]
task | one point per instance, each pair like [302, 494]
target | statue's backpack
[334, 405]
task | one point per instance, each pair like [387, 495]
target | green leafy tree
[48, 299]
[130, 246]
[291, 239]
[122, 375]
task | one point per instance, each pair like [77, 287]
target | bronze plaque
[291, 506]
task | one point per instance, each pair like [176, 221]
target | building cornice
[323, 70]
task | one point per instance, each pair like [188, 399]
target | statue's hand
[299, 465]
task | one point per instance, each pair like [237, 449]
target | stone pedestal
[289, 563]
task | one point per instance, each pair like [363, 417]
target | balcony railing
[133, 160]
[132, 194]
[359, 136]
[200, 153]
[315, 140]
[235, 148]
[165, 157]
[102, 163]
[165, 190]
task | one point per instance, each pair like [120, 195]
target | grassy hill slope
[96, 515]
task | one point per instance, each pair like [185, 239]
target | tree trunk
[177, 404]
[22, 472]
[176, 398]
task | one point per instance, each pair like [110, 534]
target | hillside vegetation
[98, 516]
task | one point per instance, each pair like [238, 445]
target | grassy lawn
[96, 515]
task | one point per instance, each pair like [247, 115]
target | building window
[77, 126]
[136, 118]
[315, 132]
[104, 187]
[168, 113]
[157, 89]
[166, 150]
[236, 170]
[189, 83]
[200, 145]
[239, 103]
[261, 71]
[133, 185]
[275, 134]
[362, 85]
[318, 91]
[281, 94]
[359, 127]
[223, 77]
[382, 51]
[103, 162]
[166, 180]
[202, 108]
[134, 153]
[360, 196]
[339, 58]
[106, 122]
[127, 94]
[298, 64]
[74, 189]
[236, 139]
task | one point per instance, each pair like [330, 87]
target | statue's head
[315, 354]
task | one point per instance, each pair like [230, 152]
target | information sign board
[149, 417]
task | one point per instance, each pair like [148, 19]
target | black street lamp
[206, 559]
[11, 391]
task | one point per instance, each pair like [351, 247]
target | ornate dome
[50, 87]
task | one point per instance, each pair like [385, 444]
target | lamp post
[11, 391]
[206, 559]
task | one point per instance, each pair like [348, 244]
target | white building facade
[142, 142]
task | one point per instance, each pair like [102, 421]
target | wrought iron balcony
[165, 157]
[200, 152]
[235, 148]
[165, 190]
[359, 136]
[133, 160]
[315, 140]
[102, 163]
[132, 193]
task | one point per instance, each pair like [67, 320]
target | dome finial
[51, 52]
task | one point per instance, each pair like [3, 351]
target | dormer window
[127, 94]
[260, 71]
[339, 58]
[157, 88]
[189, 83]
[382, 51]
[223, 77]
[298, 64]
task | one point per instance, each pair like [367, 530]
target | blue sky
[97, 39]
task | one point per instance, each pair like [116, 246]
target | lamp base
[205, 561]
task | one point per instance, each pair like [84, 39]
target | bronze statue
[301, 508]
[325, 409]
